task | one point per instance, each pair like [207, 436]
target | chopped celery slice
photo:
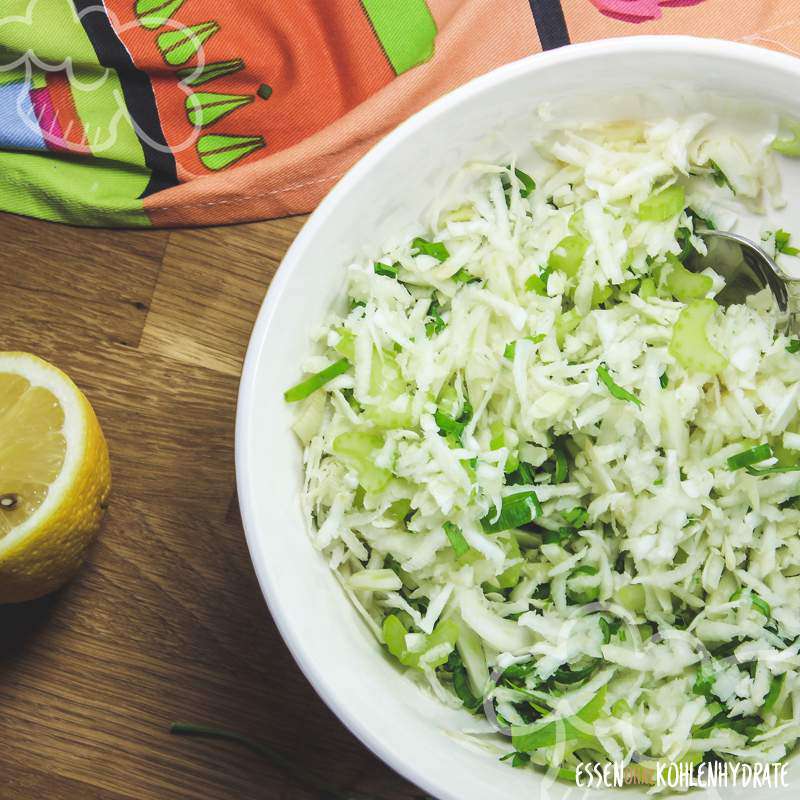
[690, 346]
[357, 449]
[346, 345]
[663, 205]
[632, 597]
[386, 383]
[789, 146]
[316, 381]
[394, 635]
[647, 288]
[686, 285]
[568, 254]
[565, 324]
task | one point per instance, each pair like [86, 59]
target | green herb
[576, 516]
[793, 346]
[558, 536]
[759, 604]
[424, 247]
[516, 510]
[386, 270]
[316, 381]
[518, 672]
[684, 237]
[462, 276]
[609, 629]
[435, 323]
[448, 425]
[569, 676]
[538, 283]
[616, 391]
[704, 681]
[518, 759]
[719, 177]
[753, 455]
[664, 380]
[524, 474]
[528, 183]
[456, 538]
[455, 666]
[782, 244]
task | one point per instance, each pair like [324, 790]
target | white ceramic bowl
[385, 191]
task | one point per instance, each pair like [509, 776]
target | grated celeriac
[547, 343]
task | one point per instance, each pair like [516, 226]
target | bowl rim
[721, 48]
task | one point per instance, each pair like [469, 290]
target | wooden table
[166, 621]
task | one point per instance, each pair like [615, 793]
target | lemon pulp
[32, 448]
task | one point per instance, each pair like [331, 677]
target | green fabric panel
[407, 31]
[100, 189]
[19, 75]
[70, 189]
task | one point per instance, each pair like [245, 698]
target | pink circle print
[638, 10]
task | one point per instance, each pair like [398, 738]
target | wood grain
[166, 621]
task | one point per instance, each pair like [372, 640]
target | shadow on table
[20, 623]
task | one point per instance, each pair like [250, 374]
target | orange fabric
[294, 180]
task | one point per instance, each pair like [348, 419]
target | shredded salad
[556, 477]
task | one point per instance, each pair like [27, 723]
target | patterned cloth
[187, 112]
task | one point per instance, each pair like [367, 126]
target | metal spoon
[746, 267]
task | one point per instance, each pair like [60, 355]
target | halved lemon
[54, 477]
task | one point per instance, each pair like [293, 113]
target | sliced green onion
[561, 471]
[753, 455]
[316, 381]
[568, 254]
[759, 604]
[516, 510]
[614, 389]
[548, 733]
[782, 244]
[775, 470]
[775, 687]
[663, 205]
[690, 346]
[525, 473]
[456, 538]
[426, 248]
[386, 270]
[462, 276]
